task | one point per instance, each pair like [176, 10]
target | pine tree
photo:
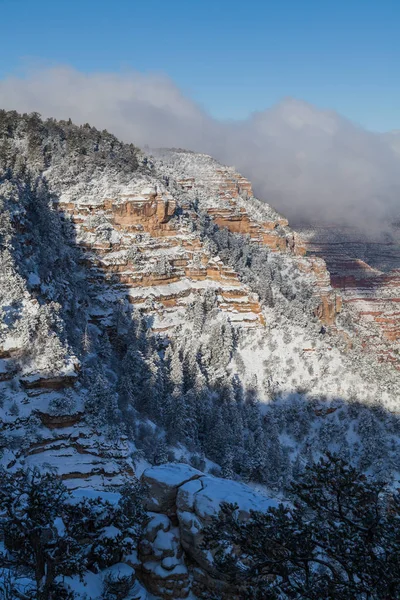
[101, 404]
[338, 539]
[277, 463]
[105, 349]
[86, 341]
[134, 375]
[227, 465]
[160, 452]
[227, 344]
[215, 437]
[177, 417]
[156, 388]
[198, 315]
[176, 373]
[32, 502]
[256, 454]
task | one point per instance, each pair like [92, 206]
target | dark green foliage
[50, 140]
[52, 535]
[32, 503]
[339, 539]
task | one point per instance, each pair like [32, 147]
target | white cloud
[310, 164]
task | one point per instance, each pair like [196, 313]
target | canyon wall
[367, 274]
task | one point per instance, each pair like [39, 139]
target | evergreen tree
[227, 465]
[32, 504]
[86, 341]
[101, 404]
[177, 417]
[156, 388]
[339, 539]
[198, 315]
[277, 462]
[215, 440]
[105, 350]
[135, 374]
[227, 347]
[51, 537]
[160, 452]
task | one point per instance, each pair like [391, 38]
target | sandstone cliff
[226, 310]
[365, 271]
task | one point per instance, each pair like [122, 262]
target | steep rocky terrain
[153, 257]
[367, 274]
[91, 225]
[224, 196]
[153, 310]
[181, 503]
[154, 251]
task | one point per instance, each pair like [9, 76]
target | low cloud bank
[312, 165]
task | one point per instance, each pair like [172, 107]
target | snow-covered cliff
[152, 305]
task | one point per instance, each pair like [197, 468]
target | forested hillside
[177, 316]
[153, 311]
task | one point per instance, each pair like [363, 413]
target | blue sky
[232, 57]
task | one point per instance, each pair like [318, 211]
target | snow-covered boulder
[163, 567]
[183, 502]
[199, 500]
[163, 483]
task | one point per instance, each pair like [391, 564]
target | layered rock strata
[227, 198]
[153, 257]
[367, 273]
[182, 502]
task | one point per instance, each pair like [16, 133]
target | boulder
[183, 502]
[163, 568]
[199, 500]
[163, 483]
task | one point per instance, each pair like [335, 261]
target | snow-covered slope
[152, 308]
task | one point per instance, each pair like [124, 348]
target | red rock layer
[144, 222]
[229, 207]
[372, 293]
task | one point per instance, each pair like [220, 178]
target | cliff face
[227, 198]
[96, 234]
[367, 275]
[170, 263]
[153, 257]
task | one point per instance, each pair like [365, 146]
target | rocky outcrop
[182, 502]
[163, 566]
[43, 436]
[155, 258]
[163, 483]
[329, 301]
[45, 380]
[367, 276]
[227, 198]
